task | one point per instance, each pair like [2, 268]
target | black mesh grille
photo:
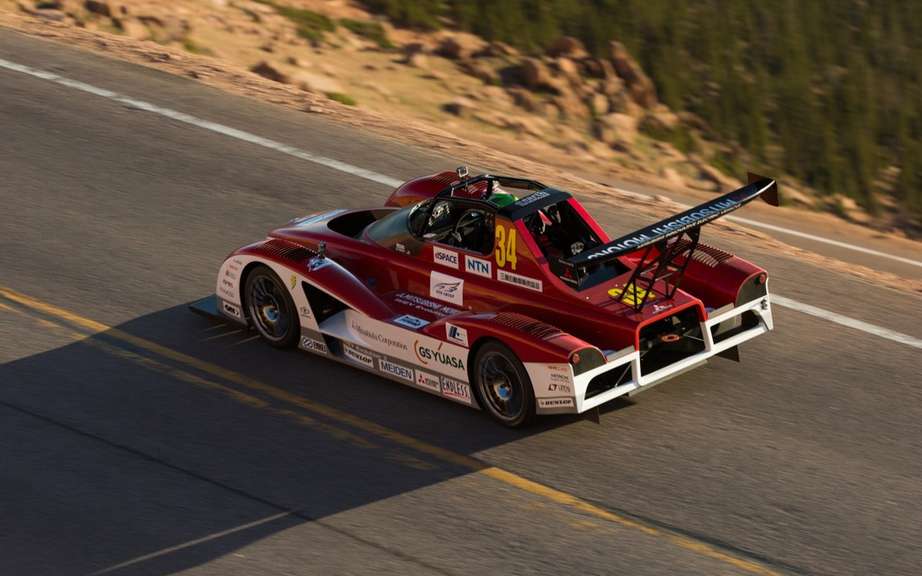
[710, 256]
[287, 250]
[527, 325]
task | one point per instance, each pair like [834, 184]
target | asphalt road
[137, 438]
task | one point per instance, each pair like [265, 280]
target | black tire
[502, 385]
[271, 309]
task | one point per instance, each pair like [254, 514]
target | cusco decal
[505, 252]
[478, 266]
[312, 345]
[445, 257]
[447, 288]
[519, 280]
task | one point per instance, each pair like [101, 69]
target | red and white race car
[500, 293]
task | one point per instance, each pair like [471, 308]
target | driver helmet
[501, 198]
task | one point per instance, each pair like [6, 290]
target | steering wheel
[466, 220]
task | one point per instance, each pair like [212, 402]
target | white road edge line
[190, 543]
[392, 182]
[846, 321]
[206, 124]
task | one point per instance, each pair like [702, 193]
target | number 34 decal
[505, 247]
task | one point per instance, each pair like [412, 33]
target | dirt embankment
[175, 43]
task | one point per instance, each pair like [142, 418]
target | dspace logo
[426, 355]
[445, 257]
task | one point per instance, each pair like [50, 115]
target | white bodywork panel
[398, 351]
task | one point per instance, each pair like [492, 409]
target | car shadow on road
[127, 460]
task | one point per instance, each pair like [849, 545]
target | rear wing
[675, 240]
[676, 225]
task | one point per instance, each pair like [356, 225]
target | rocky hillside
[596, 114]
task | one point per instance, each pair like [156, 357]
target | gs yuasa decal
[434, 356]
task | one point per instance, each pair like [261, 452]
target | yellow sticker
[505, 247]
[633, 297]
[292, 281]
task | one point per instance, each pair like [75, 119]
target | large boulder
[458, 46]
[536, 75]
[523, 99]
[570, 70]
[638, 83]
[101, 7]
[497, 49]
[133, 28]
[459, 106]
[311, 82]
[598, 104]
[478, 69]
[569, 47]
[270, 71]
[616, 129]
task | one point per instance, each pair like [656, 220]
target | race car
[500, 293]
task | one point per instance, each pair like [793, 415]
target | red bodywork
[383, 280]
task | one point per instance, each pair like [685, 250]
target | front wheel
[503, 386]
[271, 308]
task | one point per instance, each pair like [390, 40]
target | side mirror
[462, 172]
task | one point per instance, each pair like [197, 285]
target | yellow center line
[498, 474]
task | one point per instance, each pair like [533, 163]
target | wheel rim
[268, 308]
[500, 385]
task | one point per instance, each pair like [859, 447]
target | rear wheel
[271, 308]
[503, 386]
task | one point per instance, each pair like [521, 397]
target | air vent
[527, 325]
[710, 256]
[287, 250]
[445, 178]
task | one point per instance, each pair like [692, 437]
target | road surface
[137, 438]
